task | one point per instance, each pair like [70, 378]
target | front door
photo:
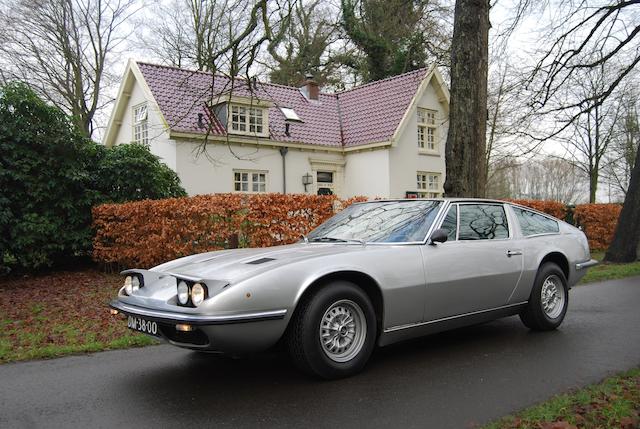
[477, 268]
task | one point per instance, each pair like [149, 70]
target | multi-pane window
[250, 181]
[247, 119]
[140, 129]
[428, 184]
[427, 129]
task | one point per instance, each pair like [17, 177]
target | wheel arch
[559, 259]
[368, 284]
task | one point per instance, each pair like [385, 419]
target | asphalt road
[452, 380]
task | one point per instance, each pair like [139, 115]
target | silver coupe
[374, 274]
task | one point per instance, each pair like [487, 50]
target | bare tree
[466, 139]
[547, 178]
[506, 126]
[592, 132]
[305, 46]
[64, 49]
[622, 151]
[584, 36]
[208, 35]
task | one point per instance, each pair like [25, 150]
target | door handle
[511, 253]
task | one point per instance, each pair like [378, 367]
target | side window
[482, 222]
[532, 223]
[450, 222]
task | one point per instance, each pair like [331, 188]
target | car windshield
[381, 222]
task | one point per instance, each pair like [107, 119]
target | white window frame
[247, 123]
[140, 121]
[427, 132]
[251, 182]
[428, 184]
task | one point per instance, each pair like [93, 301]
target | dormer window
[140, 129]
[247, 120]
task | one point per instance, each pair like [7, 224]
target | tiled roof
[366, 114]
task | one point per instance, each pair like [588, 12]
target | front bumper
[235, 333]
[175, 318]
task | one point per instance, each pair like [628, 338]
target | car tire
[333, 331]
[548, 301]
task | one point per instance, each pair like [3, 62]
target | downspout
[283, 152]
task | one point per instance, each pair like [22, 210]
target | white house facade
[383, 139]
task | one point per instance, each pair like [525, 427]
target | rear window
[533, 223]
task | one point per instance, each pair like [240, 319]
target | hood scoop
[260, 261]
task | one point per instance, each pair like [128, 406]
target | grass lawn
[608, 271]
[614, 403]
[61, 313]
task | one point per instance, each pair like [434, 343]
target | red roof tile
[367, 114]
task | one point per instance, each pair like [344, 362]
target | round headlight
[183, 293]
[197, 294]
[135, 283]
[128, 285]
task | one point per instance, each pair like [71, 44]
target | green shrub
[130, 172]
[50, 177]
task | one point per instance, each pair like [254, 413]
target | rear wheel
[548, 301]
[332, 333]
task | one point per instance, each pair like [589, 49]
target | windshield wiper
[337, 240]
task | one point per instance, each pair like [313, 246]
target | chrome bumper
[587, 264]
[192, 319]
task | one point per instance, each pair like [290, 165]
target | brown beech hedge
[147, 233]
[598, 222]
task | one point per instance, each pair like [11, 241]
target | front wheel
[548, 301]
[332, 333]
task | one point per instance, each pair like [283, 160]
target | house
[382, 139]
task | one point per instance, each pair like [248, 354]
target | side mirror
[440, 235]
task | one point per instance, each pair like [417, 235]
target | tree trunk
[626, 240]
[593, 186]
[466, 139]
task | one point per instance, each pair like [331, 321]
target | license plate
[138, 324]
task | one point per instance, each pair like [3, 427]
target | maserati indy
[374, 274]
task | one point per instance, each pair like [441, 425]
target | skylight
[290, 114]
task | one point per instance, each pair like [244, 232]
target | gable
[133, 90]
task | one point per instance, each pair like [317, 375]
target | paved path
[451, 380]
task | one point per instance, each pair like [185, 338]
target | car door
[477, 268]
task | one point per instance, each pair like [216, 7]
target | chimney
[311, 88]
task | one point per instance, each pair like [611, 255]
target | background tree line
[570, 93]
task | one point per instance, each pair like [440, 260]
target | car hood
[237, 264]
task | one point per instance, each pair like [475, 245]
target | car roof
[463, 200]
[450, 199]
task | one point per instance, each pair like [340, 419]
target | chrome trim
[196, 319]
[444, 319]
[587, 264]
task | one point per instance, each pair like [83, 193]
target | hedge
[147, 233]
[598, 222]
